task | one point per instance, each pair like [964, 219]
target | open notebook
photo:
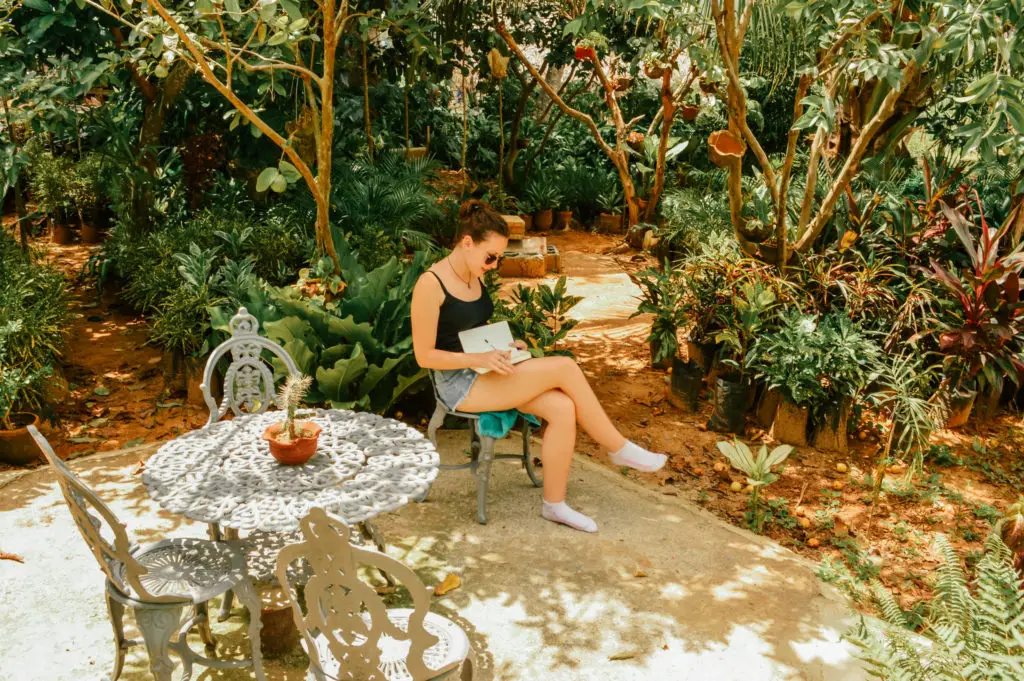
[491, 337]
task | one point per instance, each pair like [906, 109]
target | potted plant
[525, 209]
[86, 193]
[819, 365]
[51, 185]
[610, 203]
[292, 442]
[704, 281]
[544, 196]
[660, 296]
[16, 444]
[979, 335]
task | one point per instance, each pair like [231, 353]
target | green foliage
[661, 294]
[690, 215]
[357, 346]
[538, 316]
[51, 181]
[33, 318]
[758, 470]
[543, 192]
[975, 627]
[816, 362]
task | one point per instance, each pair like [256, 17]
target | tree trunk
[407, 115]
[513, 139]
[668, 107]
[366, 105]
[19, 197]
[501, 138]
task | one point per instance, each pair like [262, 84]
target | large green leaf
[347, 330]
[292, 328]
[376, 373]
[305, 359]
[336, 383]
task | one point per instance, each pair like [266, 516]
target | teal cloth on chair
[496, 424]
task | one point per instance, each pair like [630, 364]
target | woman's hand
[495, 360]
[520, 345]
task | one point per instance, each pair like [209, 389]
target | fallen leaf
[386, 589]
[625, 655]
[11, 556]
[141, 467]
[154, 360]
[640, 572]
[137, 386]
[167, 405]
[75, 455]
[134, 443]
[102, 391]
[83, 440]
[449, 583]
[96, 423]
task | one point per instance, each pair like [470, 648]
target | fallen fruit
[736, 487]
[748, 489]
[837, 485]
[698, 471]
[813, 543]
[805, 523]
[398, 415]
[720, 467]
[799, 511]
[449, 583]
[842, 467]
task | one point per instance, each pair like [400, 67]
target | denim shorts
[453, 385]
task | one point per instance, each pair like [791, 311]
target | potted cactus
[292, 442]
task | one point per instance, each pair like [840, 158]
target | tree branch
[568, 110]
[856, 153]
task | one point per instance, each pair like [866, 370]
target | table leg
[227, 534]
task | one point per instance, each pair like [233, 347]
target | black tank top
[460, 315]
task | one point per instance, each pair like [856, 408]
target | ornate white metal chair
[159, 581]
[249, 388]
[348, 631]
[481, 449]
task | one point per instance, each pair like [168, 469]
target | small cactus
[289, 397]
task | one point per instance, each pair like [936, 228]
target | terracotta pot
[622, 83]
[415, 152]
[91, 233]
[542, 219]
[790, 424]
[654, 70]
[60, 234]
[527, 221]
[298, 451]
[609, 223]
[960, 406]
[17, 446]
[690, 112]
[583, 52]
[725, 148]
[564, 219]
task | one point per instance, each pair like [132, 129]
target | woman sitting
[450, 298]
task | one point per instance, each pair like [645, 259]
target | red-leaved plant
[982, 340]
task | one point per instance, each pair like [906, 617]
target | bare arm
[427, 297]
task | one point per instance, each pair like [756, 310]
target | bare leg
[559, 442]
[492, 392]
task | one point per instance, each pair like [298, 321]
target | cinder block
[516, 226]
[530, 245]
[553, 260]
[523, 265]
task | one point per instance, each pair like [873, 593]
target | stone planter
[830, 435]
[17, 446]
[563, 219]
[91, 233]
[960, 406]
[790, 424]
[60, 233]
[542, 219]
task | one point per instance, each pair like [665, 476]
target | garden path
[663, 591]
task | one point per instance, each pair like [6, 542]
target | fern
[976, 629]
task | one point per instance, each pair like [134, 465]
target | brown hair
[477, 219]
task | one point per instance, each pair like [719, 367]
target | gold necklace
[468, 284]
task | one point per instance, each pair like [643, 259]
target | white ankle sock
[561, 513]
[635, 456]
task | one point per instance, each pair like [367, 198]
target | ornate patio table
[224, 475]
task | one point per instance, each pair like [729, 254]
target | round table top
[365, 465]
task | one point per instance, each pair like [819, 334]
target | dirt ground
[117, 398]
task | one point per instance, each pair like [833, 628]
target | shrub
[538, 316]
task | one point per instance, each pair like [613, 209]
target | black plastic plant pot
[687, 382]
[730, 406]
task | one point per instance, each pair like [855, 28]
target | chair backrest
[249, 380]
[102, 531]
[347, 611]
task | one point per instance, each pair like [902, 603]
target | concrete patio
[662, 591]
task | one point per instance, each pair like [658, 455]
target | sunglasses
[492, 258]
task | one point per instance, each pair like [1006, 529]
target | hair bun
[471, 207]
